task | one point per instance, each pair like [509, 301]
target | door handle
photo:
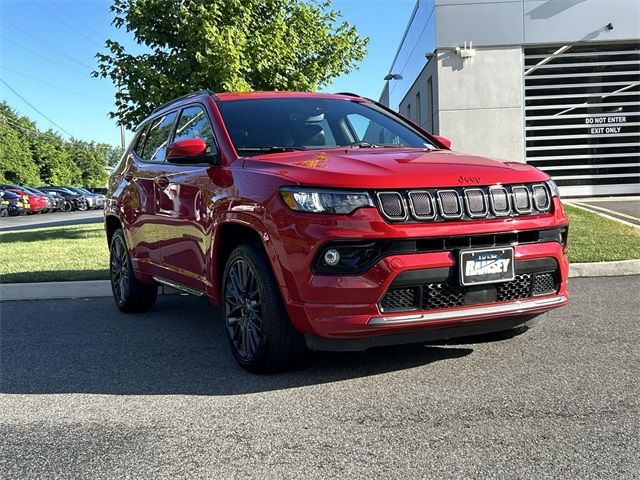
[162, 181]
[128, 176]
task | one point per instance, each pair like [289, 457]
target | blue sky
[47, 50]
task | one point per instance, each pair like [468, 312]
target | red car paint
[174, 217]
[37, 203]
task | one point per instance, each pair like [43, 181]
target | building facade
[554, 83]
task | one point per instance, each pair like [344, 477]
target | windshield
[278, 124]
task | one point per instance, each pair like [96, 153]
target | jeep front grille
[464, 203]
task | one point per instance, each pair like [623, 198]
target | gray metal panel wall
[410, 59]
[557, 21]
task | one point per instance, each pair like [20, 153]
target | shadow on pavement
[88, 346]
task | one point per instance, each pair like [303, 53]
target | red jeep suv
[329, 222]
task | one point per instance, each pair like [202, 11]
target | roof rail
[349, 94]
[205, 91]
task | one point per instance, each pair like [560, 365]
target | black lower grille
[399, 299]
[544, 283]
[449, 293]
[442, 295]
[519, 287]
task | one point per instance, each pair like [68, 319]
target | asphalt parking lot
[87, 392]
[57, 219]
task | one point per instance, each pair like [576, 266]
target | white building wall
[480, 102]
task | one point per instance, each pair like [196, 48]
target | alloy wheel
[243, 309]
[119, 270]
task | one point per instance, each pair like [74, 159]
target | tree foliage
[225, 45]
[29, 156]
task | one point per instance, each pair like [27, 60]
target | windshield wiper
[273, 149]
[372, 145]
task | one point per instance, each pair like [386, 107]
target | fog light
[332, 257]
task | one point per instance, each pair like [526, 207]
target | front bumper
[348, 307]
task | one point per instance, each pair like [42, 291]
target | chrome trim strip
[405, 212]
[178, 286]
[431, 201]
[511, 307]
[459, 200]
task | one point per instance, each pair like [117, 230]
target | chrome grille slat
[422, 205]
[540, 197]
[475, 202]
[449, 204]
[392, 205]
[500, 201]
[521, 199]
[464, 203]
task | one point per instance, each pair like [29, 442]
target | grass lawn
[593, 238]
[77, 252]
[80, 252]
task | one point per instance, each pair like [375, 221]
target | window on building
[409, 110]
[418, 118]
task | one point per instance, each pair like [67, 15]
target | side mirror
[444, 141]
[189, 150]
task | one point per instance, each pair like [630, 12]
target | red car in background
[37, 203]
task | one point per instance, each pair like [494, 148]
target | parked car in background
[56, 201]
[38, 202]
[72, 200]
[4, 207]
[95, 201]
[100, 191]
[16, 204]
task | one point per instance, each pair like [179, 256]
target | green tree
[54, 161]
[224, 45]
[112, 154]
[16, 164]
[91, 162]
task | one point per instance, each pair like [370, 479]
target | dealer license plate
[486, 266]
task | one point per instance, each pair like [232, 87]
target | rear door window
[155, 146]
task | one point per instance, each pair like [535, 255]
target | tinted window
[314, 123]
[140, 138]
[194, 123]
[157, 138]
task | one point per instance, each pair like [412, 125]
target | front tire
[261, 336]
[130, 294]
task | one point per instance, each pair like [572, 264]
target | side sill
[178, 286]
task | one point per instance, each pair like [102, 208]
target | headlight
[317, 200]
[553, 188]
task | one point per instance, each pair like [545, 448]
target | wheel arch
[111, 224]
[228, 235]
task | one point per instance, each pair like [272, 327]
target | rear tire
[261, 337]
[130, 294]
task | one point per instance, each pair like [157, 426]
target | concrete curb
[605, 269]
[53, 290]
[102, 288]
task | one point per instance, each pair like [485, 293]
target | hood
[392, 168]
